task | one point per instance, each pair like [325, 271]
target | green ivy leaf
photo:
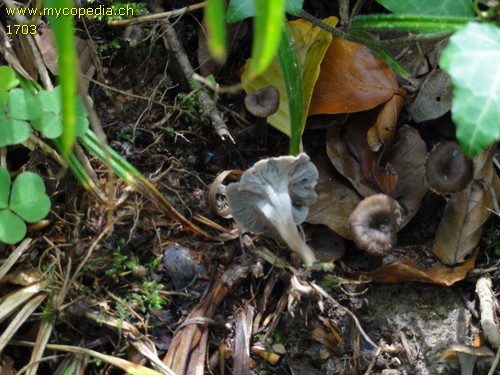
[23, 105]
[4, 187]
[13, 132]
[240, 9]
[461, 8]
[8, 79]
[12, 228]
[28, 198]
[472, 58]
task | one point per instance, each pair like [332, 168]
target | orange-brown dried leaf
[409, 270]
[465, 214]
[382, 132]
[351, 80]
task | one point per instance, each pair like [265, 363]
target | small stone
[390, 372]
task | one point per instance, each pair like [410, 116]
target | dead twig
[158, 16]
[207, 105]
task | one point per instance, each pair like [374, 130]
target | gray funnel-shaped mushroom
[274, 197]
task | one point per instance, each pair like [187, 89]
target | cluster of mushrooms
[273, 197]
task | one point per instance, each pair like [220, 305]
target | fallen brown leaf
[410, 270]
[336, 199]
[382, 132]
[465, 214]
[351, 80]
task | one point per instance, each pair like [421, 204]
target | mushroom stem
[467, 363]
[283, 222]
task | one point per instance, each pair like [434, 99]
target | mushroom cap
[274, 196]
[447, 169]
[467, 355]
[133, 35]
[375, 222]
[263, 102]
[280, 182]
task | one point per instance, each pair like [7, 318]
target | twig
[374, 359]
[495, 363]
[487, 299]
[158, 16]
[207, 105]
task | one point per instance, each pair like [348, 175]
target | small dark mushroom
[467, 356]
[133, 35]
[263, 102]
[375, 222]
[447, 169]
[274, 197]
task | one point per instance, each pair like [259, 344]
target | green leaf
[240, 9]
[49, 123]
[216, 28]
[12, 228]
[23, 105]
[268, 22]
[28, 198]
[51, 100]
[82, 125]
[13, 132]
[472, 58]
[8, 79]
[461, 8]
[4, 187]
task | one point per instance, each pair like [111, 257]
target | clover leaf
[49, 123]
[21, 106]
[24, 201]
[8, 79]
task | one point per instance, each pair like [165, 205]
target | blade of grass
[268, 23]
[216, 29]
[63, 27]
[292, 77]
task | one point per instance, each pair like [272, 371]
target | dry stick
[495, 363]
[207, 105]
[158, 16]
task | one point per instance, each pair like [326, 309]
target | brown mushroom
[133, 35]
[263, 102]
[274, 197]
[467, 356]
[375, 222]
[447, 169]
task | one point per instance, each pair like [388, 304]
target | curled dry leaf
[351, 80]
[336, 199]
[465, 214]
[410, 270]
[349, 152]
[407, 155]
[434, 98]
[382, 132]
